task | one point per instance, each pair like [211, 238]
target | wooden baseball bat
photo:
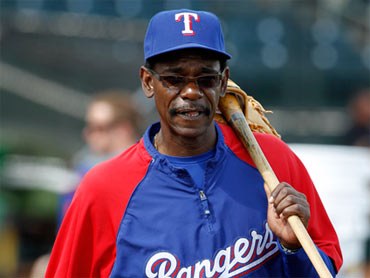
[231, 110]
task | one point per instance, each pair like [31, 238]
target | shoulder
[284, 162]
[276, 150]
[273, 148]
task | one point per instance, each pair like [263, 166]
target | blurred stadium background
[304, 60]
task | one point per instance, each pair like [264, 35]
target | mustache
[173, 111]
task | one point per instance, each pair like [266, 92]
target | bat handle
[230, 108]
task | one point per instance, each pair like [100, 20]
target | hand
[285, 201]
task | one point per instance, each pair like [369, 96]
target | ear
[146, 82]
[224, 81]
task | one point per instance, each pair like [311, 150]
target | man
[187, 201]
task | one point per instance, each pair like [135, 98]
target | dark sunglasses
[178, 82]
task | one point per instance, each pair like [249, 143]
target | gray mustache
[201, 108]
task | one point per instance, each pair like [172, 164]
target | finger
[280, 191]
[294, 206]
[283, 190]
[287, 201]
[270, 201]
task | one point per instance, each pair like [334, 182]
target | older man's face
[186, 103]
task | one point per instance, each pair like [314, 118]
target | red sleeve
[288, 168]
[86, 242]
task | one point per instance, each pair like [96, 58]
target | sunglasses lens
[208, 81]
[174, 81]
[177, 82]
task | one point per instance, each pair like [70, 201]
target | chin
[192, 130]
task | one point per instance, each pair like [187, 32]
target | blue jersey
[138, 215]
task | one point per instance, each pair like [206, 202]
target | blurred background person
[112, 126]
[358, 134]
[359, 108]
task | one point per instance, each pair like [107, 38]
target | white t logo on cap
[187, 22]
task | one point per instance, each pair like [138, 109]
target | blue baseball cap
[181, 29]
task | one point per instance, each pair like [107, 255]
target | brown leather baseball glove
[253, 111]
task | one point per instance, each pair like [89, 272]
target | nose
[191, 91]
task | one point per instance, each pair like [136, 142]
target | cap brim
[189, 45]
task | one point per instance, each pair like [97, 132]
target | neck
[181, 146]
